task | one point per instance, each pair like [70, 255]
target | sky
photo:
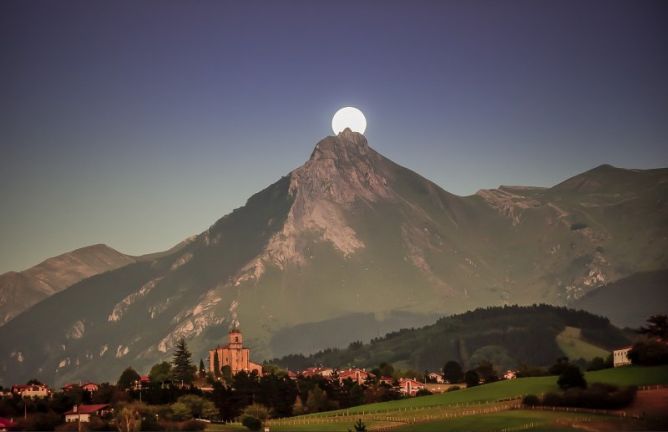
[140, 123]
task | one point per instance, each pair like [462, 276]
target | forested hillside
[507, 336]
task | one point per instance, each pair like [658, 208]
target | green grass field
[532, 420]
[571, 343]
[631, 375]
[525, 419]
[456, 402]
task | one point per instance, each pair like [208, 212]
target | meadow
[487, 407]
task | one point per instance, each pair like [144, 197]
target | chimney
[76, 408]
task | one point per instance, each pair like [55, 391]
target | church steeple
[235, 338]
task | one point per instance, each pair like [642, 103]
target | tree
[359, 426]
[486, 372]
[251, 423]
[471, 378]
[559, 367]
[202, 372]
[160, 372]
[127, 378]
[226, 373]
[181, 411]
[198, 406]
[452, 372]
[571, 377]
[128, 419]
[254, 415]
[657, 327]
[183, 369]
[216, 365]
[226, 401]
[316, 400]
[650, 353]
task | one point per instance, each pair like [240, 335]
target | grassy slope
[571, 343]
[507, 419]
[491, 392]
[632, 375]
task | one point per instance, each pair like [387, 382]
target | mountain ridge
[20, 290]
[348, 232]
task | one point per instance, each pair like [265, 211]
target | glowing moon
[349, 117]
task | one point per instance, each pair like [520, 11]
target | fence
[387, 420]
[616, 413]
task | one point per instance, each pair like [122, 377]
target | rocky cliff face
[350, 235]
[20, 290]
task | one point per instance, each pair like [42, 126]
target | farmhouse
[435, 377]
[83, 413]
[620, 357]
[356, 375]
[35, 391]
[317, 371]
[410, 386]
[234, 355]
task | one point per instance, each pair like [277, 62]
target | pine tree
[359, 426]
[216, 365]
[202, 372]
[183, 369]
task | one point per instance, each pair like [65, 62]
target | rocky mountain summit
[348, 236]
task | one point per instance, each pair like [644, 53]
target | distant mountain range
[506, 336]
[20, 290]
[348, 237]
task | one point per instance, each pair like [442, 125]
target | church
[234, 355]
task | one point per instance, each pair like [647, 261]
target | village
[231, 383]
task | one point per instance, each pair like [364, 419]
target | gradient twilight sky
[139, 123]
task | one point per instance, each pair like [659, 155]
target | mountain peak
[345, 146]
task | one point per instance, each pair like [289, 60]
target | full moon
[349, 117]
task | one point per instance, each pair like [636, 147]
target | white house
[620, 357]
[83, 413]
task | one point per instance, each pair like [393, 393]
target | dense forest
[507, 336]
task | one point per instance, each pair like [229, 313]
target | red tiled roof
[87, 409]
[6, 423]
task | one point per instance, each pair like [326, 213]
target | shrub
[181, 411]
[597, 396]
[453, 388]
[471, 378]
[192, 425]
[423, 392]
[252, 423]
[552, 399]
[571, 377]
[530, 400]
[40, 422]
[359, 426]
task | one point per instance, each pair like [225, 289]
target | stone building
[234, 355]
